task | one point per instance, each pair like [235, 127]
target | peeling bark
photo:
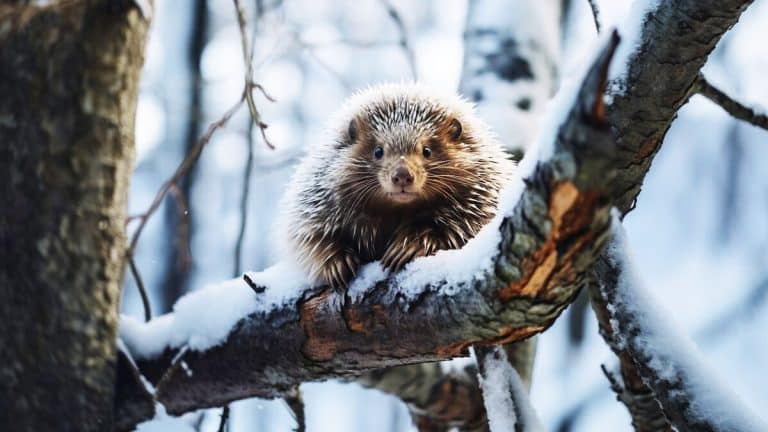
[68, 86]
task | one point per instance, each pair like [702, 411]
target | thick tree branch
[730, 105]
[662, 66]
[668, 363]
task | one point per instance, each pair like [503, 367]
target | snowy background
[699, 232]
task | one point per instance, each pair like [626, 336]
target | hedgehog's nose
[402, 176]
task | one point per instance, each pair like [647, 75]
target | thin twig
[224, 418]
[249, 83]
[244, 203]
[595, 13]
[167, 186]
[730, 105]
[140, 285]
[405, 43]
[295, 403]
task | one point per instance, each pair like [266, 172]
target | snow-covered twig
[504, 393]
[731, 105]
[688, 390]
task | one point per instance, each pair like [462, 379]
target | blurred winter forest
[699, 231]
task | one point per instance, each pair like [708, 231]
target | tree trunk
[68, 86]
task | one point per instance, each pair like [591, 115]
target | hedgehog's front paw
[339, 269]
[398, 254]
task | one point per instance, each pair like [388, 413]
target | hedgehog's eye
[378, 152]
[426, 152]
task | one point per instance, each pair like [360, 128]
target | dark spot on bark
[524, 104]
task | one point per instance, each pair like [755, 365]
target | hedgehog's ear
[455, 130]
[352, 131]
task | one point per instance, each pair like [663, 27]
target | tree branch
[438, 400]
[505, 395]
[730, 105]
[689, 393]
[643, 106]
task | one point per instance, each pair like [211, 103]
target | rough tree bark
[68, 86]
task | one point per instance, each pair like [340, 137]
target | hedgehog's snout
[402, 176]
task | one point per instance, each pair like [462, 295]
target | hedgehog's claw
[339, 270]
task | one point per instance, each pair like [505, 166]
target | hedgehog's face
[405, 164]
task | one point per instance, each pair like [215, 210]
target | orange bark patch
[509, 335]
[571, 212]
[365, 321]
[316, 347]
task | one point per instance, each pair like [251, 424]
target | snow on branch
[690, 393]
[505, 395]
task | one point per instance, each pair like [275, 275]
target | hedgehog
[407, 171]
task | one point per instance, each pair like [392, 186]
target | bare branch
[224, 419]
[405, 43]
[295, 402]
[730, 105]
[249, 83]
[595, 13]
[169, 185]
[244, 203]
[140, 285]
